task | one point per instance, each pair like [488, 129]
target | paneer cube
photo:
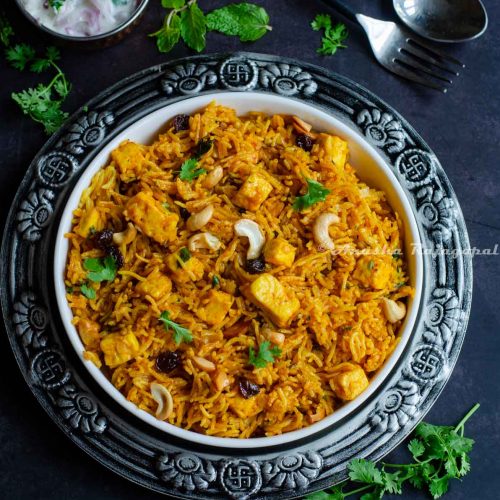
[185, 271]
[129, 160]
[150, 217]
[253, 192]
[119, 349]
[157, 285]
[279, 252]
[90, 221]
[335, 148]
[350, 382]
[374, 271]
[89, 332]
[217, 307]
[246, 408]
[280, 304]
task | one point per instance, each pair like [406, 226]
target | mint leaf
[168, 36]
[193, 27]
[173, 4]
[247, 21]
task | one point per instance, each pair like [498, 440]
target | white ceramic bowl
[370, 167]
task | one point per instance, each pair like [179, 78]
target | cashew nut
[164, 399]
[320, 230]
[204, 364]
[276, 338]
[251, 230]
[393, 311]
[306, 127]
[203, 240]
[125, 236]
[214, 177]
[200, 219]
[221, 380]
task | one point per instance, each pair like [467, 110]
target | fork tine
[423, 57]
[415, 65]
[433, 51]
[401, 70]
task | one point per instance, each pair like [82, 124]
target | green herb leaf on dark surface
[247, 21]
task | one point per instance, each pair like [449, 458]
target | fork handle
[343, 9]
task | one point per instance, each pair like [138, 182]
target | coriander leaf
[315, 192]
[168, 36]
[53, 54]
[37, 103]
[193, 27]
[189, 172]
[100, 269]
[321, 21]
[184, 254]
[215, 281]
[438, 487]
[392, 482]
[416, 448]
[20, 55]
[264, 356]
[464, 465]
[39, 65]
[56, 4]
[173, 4]
[247, 21]
[87, 291]
[325, 495]
[181, 334]
[364, 471]
[62, 87]
[373, 495]
[333, 36]
[416, 481]
[6, 31]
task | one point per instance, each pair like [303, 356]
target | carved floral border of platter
[152, 458]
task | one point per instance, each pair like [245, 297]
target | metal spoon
[444, 20]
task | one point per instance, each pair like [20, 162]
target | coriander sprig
[187, 21]
[316, 192]
[43, 102]
[265, 354]
[333, 37]
[181, 334]
[440, 454]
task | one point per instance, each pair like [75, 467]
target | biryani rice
[338, 336]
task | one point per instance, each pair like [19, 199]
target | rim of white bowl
[254, 101]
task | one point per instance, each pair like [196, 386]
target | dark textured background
[462, 127]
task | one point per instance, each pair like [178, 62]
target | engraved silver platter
[170, 465]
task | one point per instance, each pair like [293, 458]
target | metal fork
[403, 52]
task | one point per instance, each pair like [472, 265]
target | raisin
[255, 266]
[248, 389]
[103, 239]
[304, 141]
[114, 252]
[168, 361]
[203, 147]
[181, 122]
[184, 213]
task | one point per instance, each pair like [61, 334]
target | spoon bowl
[444, 20]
